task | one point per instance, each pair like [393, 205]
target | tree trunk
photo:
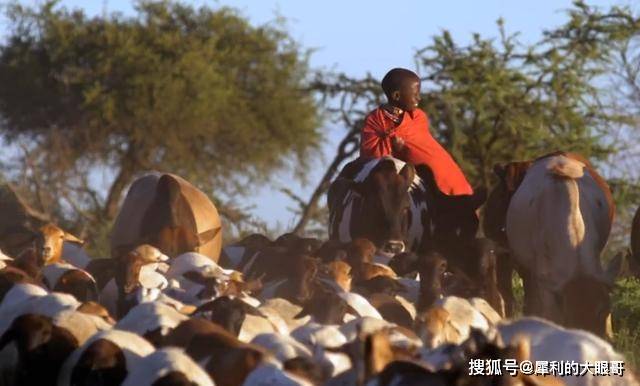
[126, 173]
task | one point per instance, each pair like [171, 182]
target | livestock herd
[404, 292]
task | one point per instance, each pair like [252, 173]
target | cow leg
[540, 300]
[505, 284]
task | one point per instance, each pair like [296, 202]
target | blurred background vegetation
[203, 93]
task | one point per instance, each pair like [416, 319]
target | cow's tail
[569, 170]
[565, 167]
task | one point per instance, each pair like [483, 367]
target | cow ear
[73, 239]
[207, 236]
[408, 171]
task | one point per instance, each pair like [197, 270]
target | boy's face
[408, 97]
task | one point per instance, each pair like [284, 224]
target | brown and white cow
[557, 223]
[398, 207]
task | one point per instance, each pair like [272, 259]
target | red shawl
[419, 147]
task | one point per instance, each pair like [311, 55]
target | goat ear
[254, 285]
[73, 239]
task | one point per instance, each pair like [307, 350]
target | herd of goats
[403, 292]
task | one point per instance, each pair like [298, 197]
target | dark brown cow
[494, 223]
[170, 213]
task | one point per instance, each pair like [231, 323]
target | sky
[361, 36]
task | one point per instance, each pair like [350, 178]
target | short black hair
[394, 79]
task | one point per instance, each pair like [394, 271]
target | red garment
[419, 147]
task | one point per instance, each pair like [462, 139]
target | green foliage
[626, 319]
[518, 294]
[198, 92]
[498, 101]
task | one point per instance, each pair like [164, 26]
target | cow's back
[558, 220]
[198, 214]
[205, 217]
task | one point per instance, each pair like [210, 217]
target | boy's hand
[397, 143]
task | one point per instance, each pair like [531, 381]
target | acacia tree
[498, 100]
[198, 92]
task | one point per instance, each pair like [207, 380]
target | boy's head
[402, 88]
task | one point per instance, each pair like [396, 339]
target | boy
[399, 129]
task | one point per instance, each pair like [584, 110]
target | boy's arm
[372, 143]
